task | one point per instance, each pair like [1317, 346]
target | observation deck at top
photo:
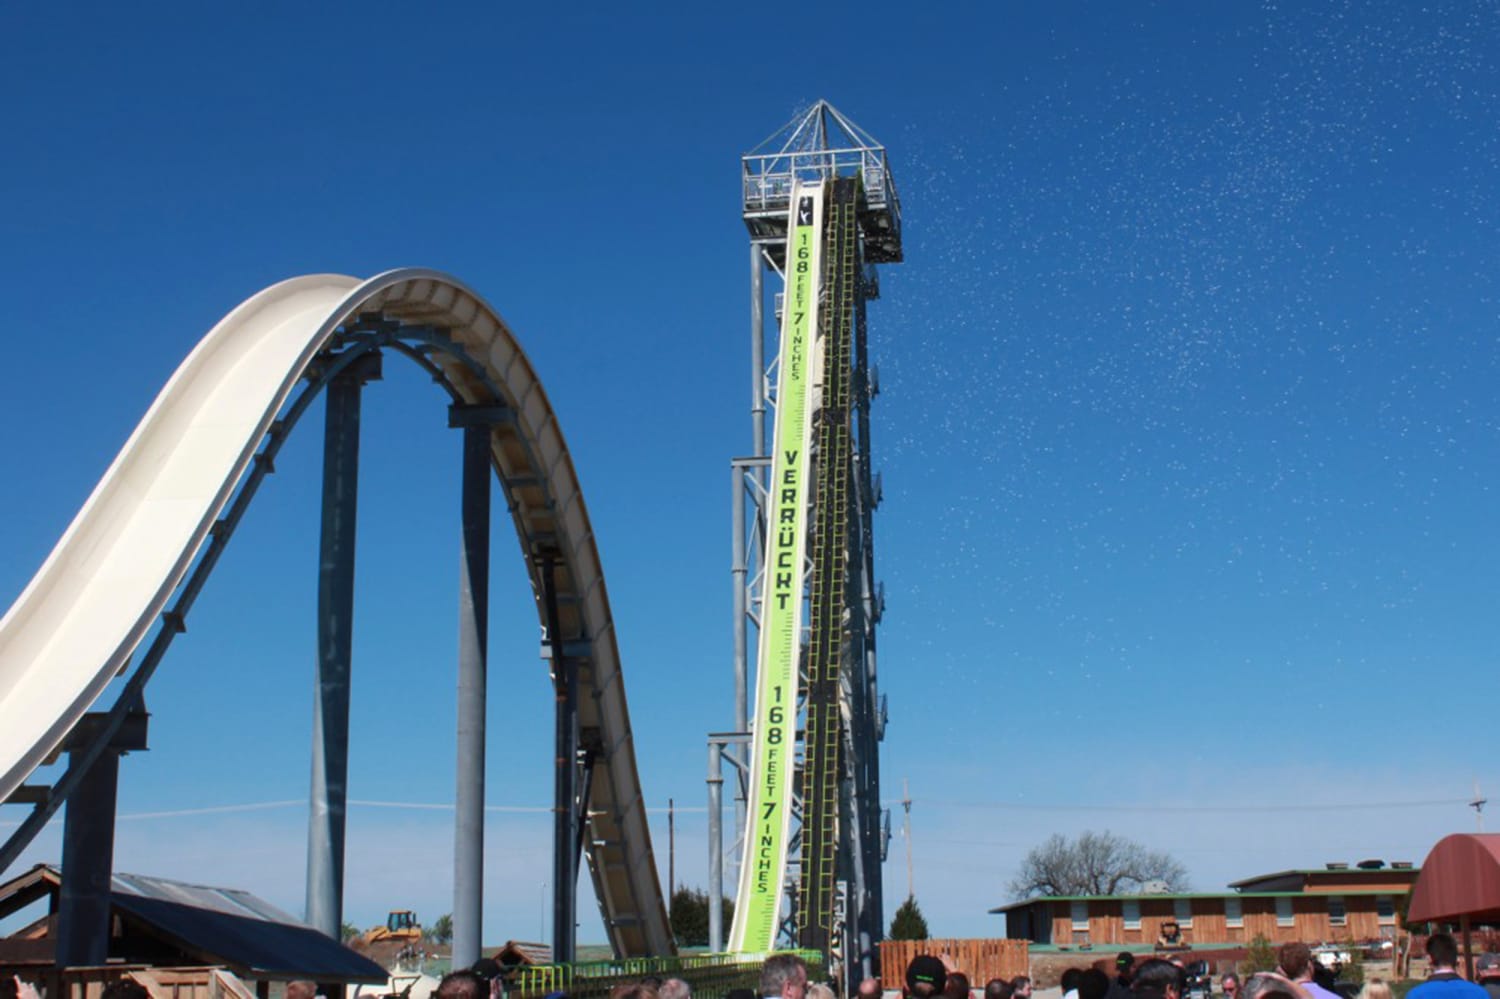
[820, 145]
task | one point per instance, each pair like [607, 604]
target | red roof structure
[1460, 881]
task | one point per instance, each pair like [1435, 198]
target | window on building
[1234, 913]
[1336, 915]
[1182, 911]
[1132, 909]
[1385, 910]
[1080, 916]
[1284, 912]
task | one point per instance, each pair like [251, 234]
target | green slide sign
[763, 867]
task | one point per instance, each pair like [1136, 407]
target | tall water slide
[821, 208]
[131, 550]
[806, 565]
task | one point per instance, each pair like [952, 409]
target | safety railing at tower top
[769, 177]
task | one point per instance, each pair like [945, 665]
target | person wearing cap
[926, 976]
[783, 976]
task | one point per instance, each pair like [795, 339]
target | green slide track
[773, 763]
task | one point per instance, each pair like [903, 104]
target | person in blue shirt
[1443, 981]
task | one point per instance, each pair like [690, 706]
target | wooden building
[1337, 902]
[158, 924]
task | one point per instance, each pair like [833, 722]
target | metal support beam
[740, 570]
[330, 749]
[565, 772]
[88, 861]
[590, 748]
[473, 657]
[89, 836]
[757, 352]
[715, 848]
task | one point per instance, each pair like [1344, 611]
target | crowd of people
[785, 976]
[1297, 976]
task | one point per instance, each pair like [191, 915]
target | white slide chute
[98, 593]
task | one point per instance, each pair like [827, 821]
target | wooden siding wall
[1211, 924]
[1332, 882]
[981, 960]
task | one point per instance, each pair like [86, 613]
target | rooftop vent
[1370, 865]
[1337, 865]
[1401, 865]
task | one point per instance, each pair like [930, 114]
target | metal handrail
[710, 975]
[769, 177]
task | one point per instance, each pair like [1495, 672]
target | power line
[1351, 806]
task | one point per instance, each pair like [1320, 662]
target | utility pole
[906, 834]
[671, 853]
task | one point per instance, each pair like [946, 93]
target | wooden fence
[981, 960]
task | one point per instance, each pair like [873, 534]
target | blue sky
[1188, 423]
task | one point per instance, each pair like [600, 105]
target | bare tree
[1094, 864]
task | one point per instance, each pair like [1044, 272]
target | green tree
[441, 930]
[689, 916]
[1354, 968]
[348, 932]
[908, 923]
[1094, 864]
[1259, 956]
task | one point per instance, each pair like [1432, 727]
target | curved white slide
[100, 590]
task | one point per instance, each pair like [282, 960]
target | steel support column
[330, 749]
[89, 837]
[87, 862]
[565, 772]
[741, 581]
[715, 848]
[473, 657]
[757, 352]
[740, 571]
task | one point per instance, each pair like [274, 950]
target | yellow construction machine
[400, 924]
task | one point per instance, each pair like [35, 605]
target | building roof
[1159, 896]
[1461, 879]
[219, 925]
[523, 952]
[1342, 872]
